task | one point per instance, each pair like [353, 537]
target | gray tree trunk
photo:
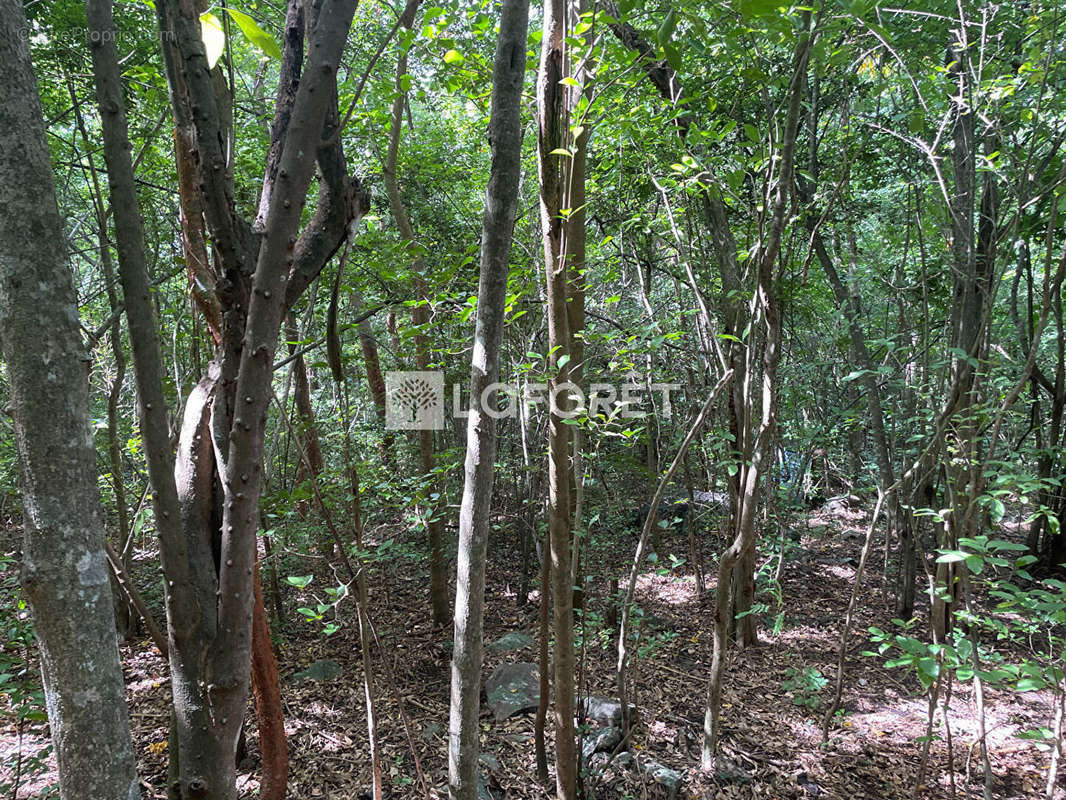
[65, 573]
[501, 202]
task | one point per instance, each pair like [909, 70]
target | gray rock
[487, 792]
[717, 499]
[321, 670]
[599, 761]
[667, 778]
[728, 771]
[622, 760]
[490, 761]
[512, 689]
[515, 640]
[605, 712]
[600, 740]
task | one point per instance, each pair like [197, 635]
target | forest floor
[772, 742]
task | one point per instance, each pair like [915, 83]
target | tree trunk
[501, 202]
[438, 583]
[760, 435]
[125, 614]
[266, 687]
[552, 124]
[210, 531]
[65, 572]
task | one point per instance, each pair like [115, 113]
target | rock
[515, 640]
[321, 670]
[518, 738]
[728, 771]
[667, 778]
[600, 740]
[719, 499]
[809, 786]
[622, 760]
[490, 761]
[512, 689]
[841, 504]
[604, 712]
[431, 731]
[489, 790]
[598, 762]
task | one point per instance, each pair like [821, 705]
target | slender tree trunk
[125, 614]
[543, 665]
[65, 572]
[552, 123]
[438, 583]
[501, 202]
[376, 383]
[744, 534]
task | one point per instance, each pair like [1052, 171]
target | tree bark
[65, 571]
[552, 127]
[125, 614]
[266, 687]
[761, 434]
[438, 584]
[501, 203]
[210, 530]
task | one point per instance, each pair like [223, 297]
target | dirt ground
[772, 744]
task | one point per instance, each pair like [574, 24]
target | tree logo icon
[414, 401]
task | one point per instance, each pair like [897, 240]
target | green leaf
[666, 30]
[454, 57]
[299, 581]
[1030, 684]
[214, 36]
[952, 556]
[254, 34]
[758, 8]
[673, 56]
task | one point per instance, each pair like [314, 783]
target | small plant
[805, 685]
[336, 595]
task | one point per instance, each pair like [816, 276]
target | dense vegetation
[780, 320]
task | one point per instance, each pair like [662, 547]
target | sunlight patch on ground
[805, 635]
[674, 590]
[319, 709]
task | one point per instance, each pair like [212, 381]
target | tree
[65, 571]
[416, 393]
[501, 202]
[208, 548]
[552, 156]
[757, 435]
